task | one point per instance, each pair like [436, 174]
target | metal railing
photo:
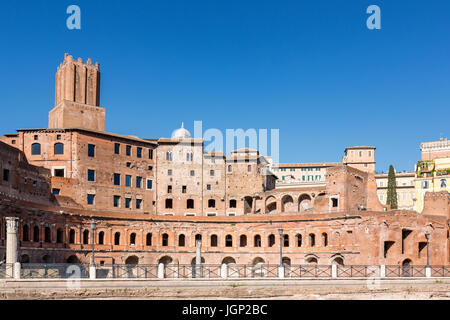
[53, 271]
[6, 271]
[216, 271]
[307, 271]
[358, 271]
[126, 271]
[405, 271]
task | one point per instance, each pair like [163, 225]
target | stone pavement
[229, 289]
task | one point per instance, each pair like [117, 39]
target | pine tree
[392, 189]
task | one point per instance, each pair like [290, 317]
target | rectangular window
[139, 152]
[117, 179]
[169, 172]
[183, 189]
[56, 191]
[128, 150]
[149, 184]
[208, 187]
[138, 182]
[303, 178]
[138, 203]
[128, 180]
[116, 200]
[211, 173]
[90, 199]
[150, 153]
[91, 150]
[5, 175]
[169, 189]
[91, 175]
[292, 169]
[192, 173]
[117, 148]
[150, 168]
[127, 202]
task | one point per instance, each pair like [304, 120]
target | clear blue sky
[311, 68]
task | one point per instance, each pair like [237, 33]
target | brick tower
[77, 96]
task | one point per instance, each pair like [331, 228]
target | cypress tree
[392, 189]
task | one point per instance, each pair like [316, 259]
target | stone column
[334, 270]
[12, 248]
[161, 267]
[223, 270]
[382, 271]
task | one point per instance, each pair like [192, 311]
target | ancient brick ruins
[153, 198]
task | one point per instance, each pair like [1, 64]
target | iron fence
[440, 271]
[6, 271]
[405, 271]
[125, 271]
[53, 271]
[215, 271]
[307, 271]
[357, 271]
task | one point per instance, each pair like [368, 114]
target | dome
[181, 133]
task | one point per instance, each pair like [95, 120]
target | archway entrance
[406, 268]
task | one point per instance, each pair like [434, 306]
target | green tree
[392, 189]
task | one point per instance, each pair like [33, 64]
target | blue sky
[311, 69]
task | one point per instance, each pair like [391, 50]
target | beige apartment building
[405, 189]
[432, 173]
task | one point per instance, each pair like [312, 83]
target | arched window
[36, 149]
[211, 203]
[25, 233]
[243, 241]
[36, 234]
[257, 241]
[312, 240]
[117, 238]
[47, 235]
[181, 240]
[59, 235]
[213, 240]
[299, 240]
[149, 239]
[286, 240]
[101, 237]
[324, 239]
[169, 156]
[133, 238]
[198, 237]
[58, 148]
[165, 240]
[190, 204]
[72, 236]
[230, 168]
[85, 236]
[228, 241]
[232, 203]
[271, 240]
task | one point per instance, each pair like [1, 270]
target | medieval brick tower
[77, 96]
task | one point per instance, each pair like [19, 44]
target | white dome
[181, 133]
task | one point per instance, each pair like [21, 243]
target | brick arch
[304, 202]
[311, 259]
[287, 203]
[271, 204]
